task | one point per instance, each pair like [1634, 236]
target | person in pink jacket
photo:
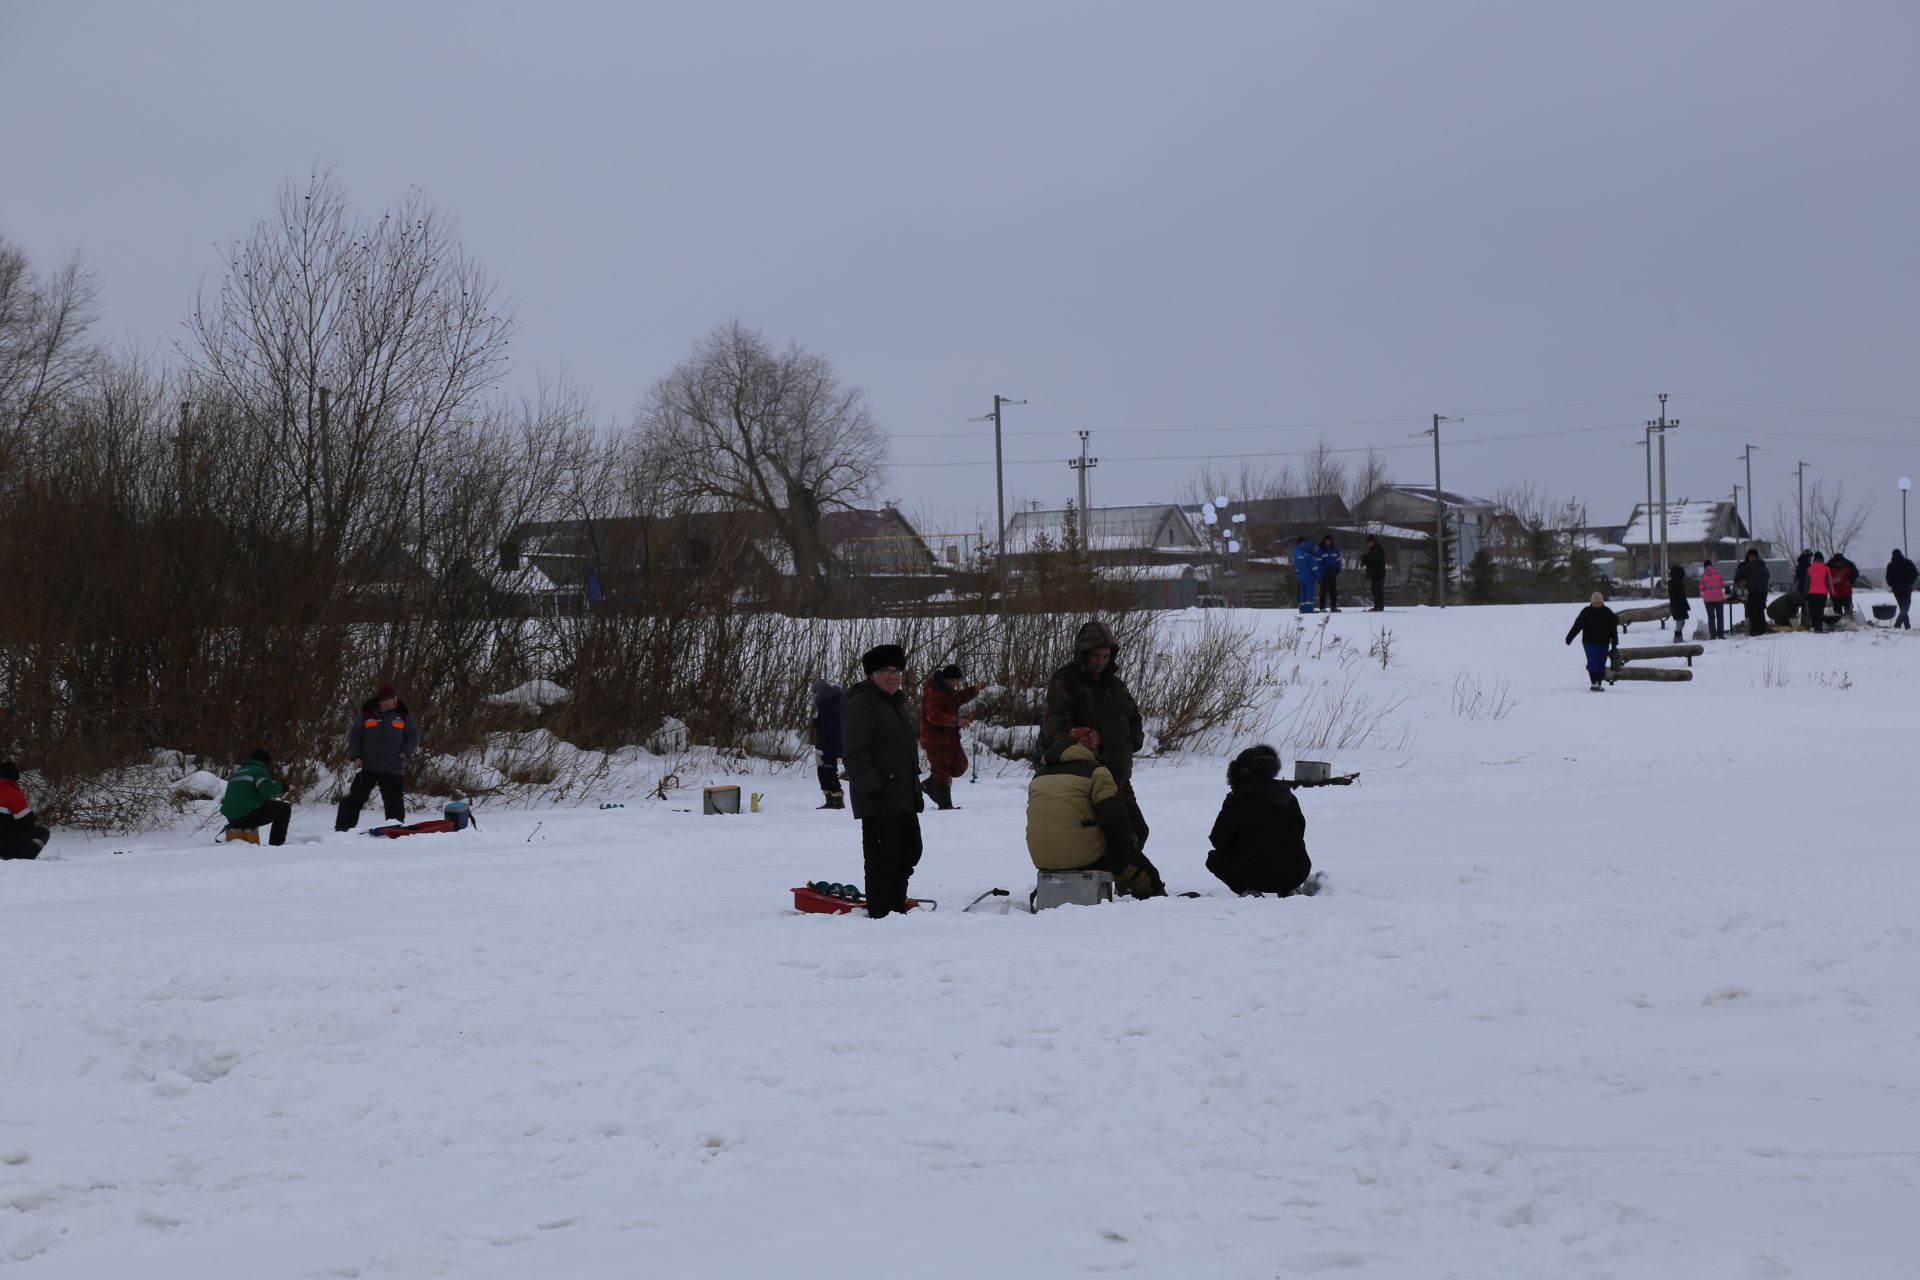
[1713, 593]
[1819, 587]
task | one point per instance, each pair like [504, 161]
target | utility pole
[1000, 497]
[1663, 426]
[1439, 516]
[1747, 455]
[1646, 443]
[1801, 472]
[1081, 464]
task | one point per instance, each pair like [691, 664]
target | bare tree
[1833, 522]
[43, 329]
[1324, 471]
[1365, 478]
[739, 425]
[350, 347]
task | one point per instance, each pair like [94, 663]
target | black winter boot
[835, 800]
[942, 795]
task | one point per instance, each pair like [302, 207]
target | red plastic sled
[813, 902]
[416, 829]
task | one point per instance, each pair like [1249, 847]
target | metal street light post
[1906, 548]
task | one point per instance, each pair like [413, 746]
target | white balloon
[1234, 546]
[1220, 501]
[1206, 513]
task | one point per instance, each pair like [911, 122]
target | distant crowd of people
[1082, 811]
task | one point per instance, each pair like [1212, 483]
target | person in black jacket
[883, 777]
[1751, 577]
[826, 743]
[1599, 630]
[1677, 602]
[1374, 561]
[382, 738]
[1901, 575]
[1260, 838]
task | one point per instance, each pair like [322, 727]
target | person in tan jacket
[1077, 818]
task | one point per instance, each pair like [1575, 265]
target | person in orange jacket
[941, 721]
[1819, 587]
[1713, 594]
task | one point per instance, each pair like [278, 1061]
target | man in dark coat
[1374, 561]
[1599, 630]
[1328, 567]
[21, 835]
[883, 777]
[1751, 577]
[1801, 567]
[1677, 601]
[941, 721]
[826, 743]
[382, 738]
[1090, 692]
[1260, 838]
[1901, 575]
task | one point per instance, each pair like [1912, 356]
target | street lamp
[1906, 483]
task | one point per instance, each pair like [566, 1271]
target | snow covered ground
[1618, 985]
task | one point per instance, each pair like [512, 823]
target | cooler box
[1072, 889]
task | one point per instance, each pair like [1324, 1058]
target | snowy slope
[1619, 985]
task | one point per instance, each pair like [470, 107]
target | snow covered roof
[1424, 493]
[1152, 527]
[1688, 520]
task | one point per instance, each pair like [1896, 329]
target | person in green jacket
[252, 798]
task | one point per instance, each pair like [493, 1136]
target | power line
[1795, 408]
[1788, 433]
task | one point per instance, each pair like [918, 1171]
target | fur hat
[1255, 764]
[951, 671]
[260, 754]
[884, 655]
[9, 770]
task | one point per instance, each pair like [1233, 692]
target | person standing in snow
[1090, 692]
[1751, 577]
[1677, 602]
[1260, 838]
[1713, 594]
[382, 738]
[883, 777]
[1901, 575]
[21, 835]
[1844, 572]
[1328, 568]
[1599, 630]
[1374, 561]
[1819, 586]
[1800, 567]
[826, 743]
[252, 798]
[1306, 571]
[1078, 820]
[941, 698]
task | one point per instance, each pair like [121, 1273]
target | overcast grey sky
[1182, 226]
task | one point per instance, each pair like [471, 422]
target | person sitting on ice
[1260, 838]
[21, 835]
[1599, 630]
[1077, 818]
[252, 798]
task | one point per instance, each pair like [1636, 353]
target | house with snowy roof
[1411, 506]
[1154, 533]
[1697, 529]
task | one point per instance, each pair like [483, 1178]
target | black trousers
[1816, 611]
[1330, 590]
[890, 848]
[1905, 600]
[392, 797]
[1379, 586]
[23, 843]
[826, 769]
[1757, 613]
[1716, 620]
[274, 813]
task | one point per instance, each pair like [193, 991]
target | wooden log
[1650, 613]
[1668, 674]
[1642, 652]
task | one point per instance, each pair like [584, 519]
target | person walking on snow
[382, 738]
[1751, 577]
[1328, 567]
[1077, 819]
[1901, 575]
[1374, 561]
[21, 835]
[1090, 692]
[1306, 570]
[883, 777]
[1599, 630]
[1713, 594]
[252, 798]
[941, 698]
[1819, 587]
[826, 743]
[1260, 838]
[1677, 602]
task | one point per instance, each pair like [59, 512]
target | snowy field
[1619, 985]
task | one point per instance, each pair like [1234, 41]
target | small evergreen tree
[1428, 560]
[1482, 579]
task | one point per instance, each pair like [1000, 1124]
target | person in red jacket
[1819, 587]
[21, 835]
[1713, 594]
[1844, 571]
[941, 698]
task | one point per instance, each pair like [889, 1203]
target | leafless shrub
[1776, 669]
[1475, 700]
[1381, 648]
[1832, 679]
[1333, 715]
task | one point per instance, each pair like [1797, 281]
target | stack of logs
[1621, 657]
